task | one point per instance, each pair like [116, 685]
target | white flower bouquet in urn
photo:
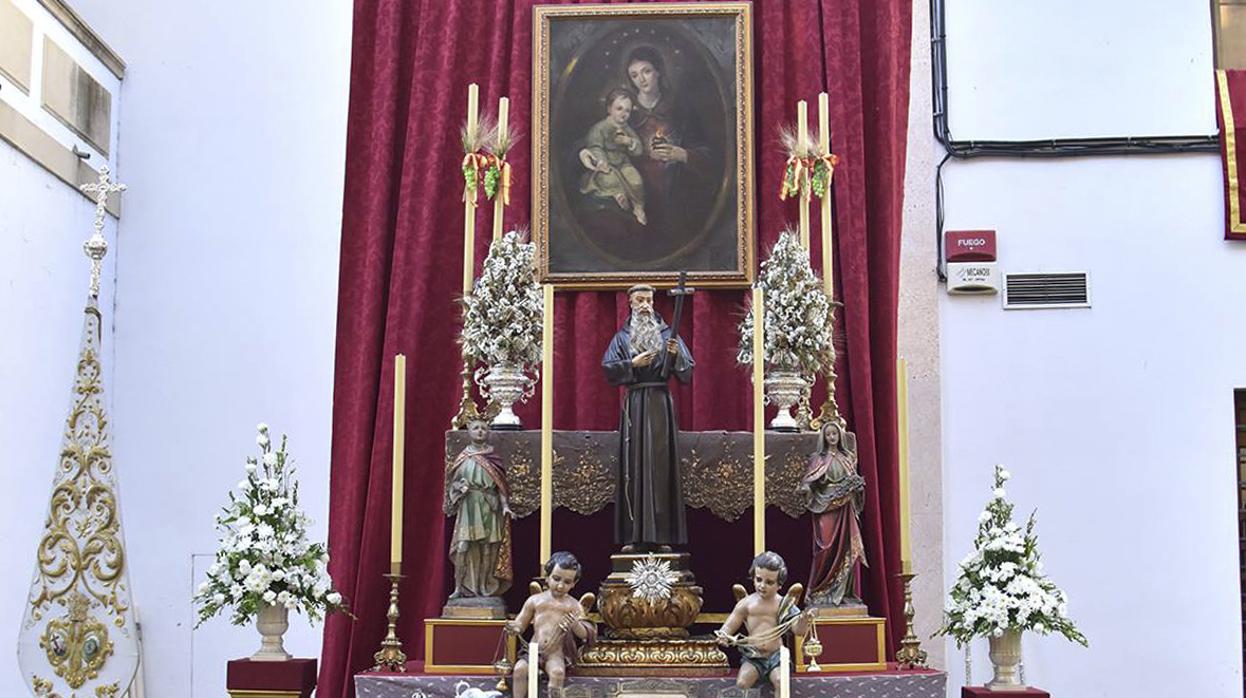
[1001, 590]
[265, 566]
[798, 334]
[502, 323]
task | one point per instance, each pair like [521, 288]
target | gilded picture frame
[642, 144]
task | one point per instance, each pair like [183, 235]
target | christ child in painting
[767, 617]
[560, 624]
[609, 147]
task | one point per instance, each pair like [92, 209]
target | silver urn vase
[783, 390]
[505, 384]
[273, 620]
[1005, 657]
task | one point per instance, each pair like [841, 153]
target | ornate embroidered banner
[79, 637]
[1231, 116]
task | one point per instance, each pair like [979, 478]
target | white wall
[1116, 421]
[918, 343]
[44, 277]
[1070, 68]
[233, 146]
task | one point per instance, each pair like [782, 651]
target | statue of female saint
[480, 546]
[835, 499]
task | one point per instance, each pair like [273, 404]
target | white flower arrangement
[265, 557]
[503, 317]
[798, 335]
[1001, 584]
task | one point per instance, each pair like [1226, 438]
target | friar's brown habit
[648, 502]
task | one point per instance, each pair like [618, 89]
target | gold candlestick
[472, 142]
[910, 655]
[468, 409]
[391, 656]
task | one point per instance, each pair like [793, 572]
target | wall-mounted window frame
[1229, 23]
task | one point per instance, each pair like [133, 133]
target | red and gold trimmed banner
[1231, 116]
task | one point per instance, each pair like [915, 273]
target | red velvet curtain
[401, 265]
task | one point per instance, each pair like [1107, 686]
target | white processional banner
[79, 638]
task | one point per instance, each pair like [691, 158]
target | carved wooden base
[697, 656]
[633, 617]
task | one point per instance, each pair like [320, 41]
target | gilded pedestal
[648, 603]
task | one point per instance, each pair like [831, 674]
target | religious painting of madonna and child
[642, 145]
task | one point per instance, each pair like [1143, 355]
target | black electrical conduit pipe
[1052, 147]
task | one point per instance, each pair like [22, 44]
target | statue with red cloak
[835, 491]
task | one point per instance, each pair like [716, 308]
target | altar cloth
[883, 684]
[716, 469]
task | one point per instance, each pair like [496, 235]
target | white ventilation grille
[1046, 290]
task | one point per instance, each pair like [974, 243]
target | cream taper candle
[499, 206]
[759, 422]
[400, 399]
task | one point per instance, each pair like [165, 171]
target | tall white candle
[396, 488]
[469, 207]
[759, 422]
[547, 423]
[902, 426]
[785, 676]
[534, 668]
[499, 206]
[824, 208]
[802, 141]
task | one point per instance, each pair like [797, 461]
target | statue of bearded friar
[649, 504]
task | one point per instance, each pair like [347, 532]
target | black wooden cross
[680, 292]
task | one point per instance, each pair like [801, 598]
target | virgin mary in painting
[663, 191]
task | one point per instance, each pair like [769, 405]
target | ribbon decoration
[473, 166]
[812, 174]
[795, 177]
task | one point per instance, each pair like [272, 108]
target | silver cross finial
[96, 247]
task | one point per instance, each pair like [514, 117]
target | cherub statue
[480, 546]
[835, 492]
[560, 624]
[766, 617]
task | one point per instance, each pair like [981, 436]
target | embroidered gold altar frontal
[716, 467]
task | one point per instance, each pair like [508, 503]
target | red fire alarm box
[969, 245]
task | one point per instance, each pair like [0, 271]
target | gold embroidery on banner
[43, 688]
[1236, 224]
[81, 535]
[77, 645]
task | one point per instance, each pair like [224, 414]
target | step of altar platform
[983, 691]
[891, 683]
[473, 645]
